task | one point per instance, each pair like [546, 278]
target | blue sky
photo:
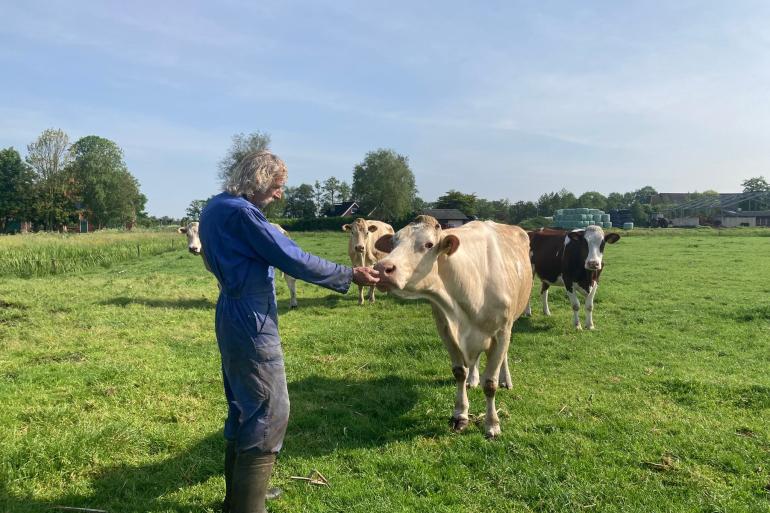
[504, 99]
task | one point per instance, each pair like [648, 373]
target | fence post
[138, 252]
[53, 265]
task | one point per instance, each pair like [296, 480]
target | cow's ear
[345, 227]
[449, 244]
[372, 228]
[385, 243]
[181, 229]
[576, 236]
[611, 238]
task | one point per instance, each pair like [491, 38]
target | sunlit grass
[111, 396]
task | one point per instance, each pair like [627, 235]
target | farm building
[344, 209]
[448, 217]
[730, 219]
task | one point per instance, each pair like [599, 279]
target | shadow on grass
[126, 487]
[185, 303]
[327, 414]
[331, 414]
[757, 313]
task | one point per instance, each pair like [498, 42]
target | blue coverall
[241, 248]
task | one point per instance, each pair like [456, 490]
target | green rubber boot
[230, 454]
[251, 474]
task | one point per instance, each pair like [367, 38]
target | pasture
[111, 396]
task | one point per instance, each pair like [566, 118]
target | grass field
[111, 396]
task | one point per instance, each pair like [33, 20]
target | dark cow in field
[573, 260]
[194, 247]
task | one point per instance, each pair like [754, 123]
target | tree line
[383, 185]
[57, 183]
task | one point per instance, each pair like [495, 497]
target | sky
[504, 99]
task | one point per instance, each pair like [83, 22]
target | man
[241, 248]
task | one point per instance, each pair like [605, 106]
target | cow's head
[193, 240]
[360, 231]
[413, 252]
[591, 242]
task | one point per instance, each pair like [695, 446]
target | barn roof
[746, 213]
[445, 214]
[347, 208]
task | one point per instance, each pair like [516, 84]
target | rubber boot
[230, 454]
[251, 474]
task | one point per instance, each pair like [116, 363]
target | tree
[756, 184]
[645, 194]
[299, 202]
[520, 211]
[465, 203]
[549, 203]
[592, 199]
[195, 208]
[344, 191]
[616, 200]
[331, 194]
[383, 185]
[105, 188]
[49, 156]
[16, 187]
[242, 144]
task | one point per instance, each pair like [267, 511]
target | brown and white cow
[361, 250]
[194, 247]
[477, 278]
[573, 260]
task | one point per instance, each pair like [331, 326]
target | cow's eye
[428, 245]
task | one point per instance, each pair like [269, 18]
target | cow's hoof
[579, 327]
[505, 384]
[472, 383]
[292, 307]
[492, 432]
[591, 327]
[458, 424]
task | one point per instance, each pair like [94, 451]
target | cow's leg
[360, 295]
[473, 375]
[292, 284]
[505, 374]
[495, 355]
[575, 302]
[590, 306]
[371, 294]
[544, 298]
[459, 420]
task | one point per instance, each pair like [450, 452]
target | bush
[533, 223]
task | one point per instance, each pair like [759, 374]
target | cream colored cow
[361, 250]
[194, 247]
[478, 279]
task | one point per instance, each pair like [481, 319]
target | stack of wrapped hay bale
[571, 218]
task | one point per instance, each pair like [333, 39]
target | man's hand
[365, 276]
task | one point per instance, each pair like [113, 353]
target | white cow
[194, 247]
[361, 250]
[478, 279]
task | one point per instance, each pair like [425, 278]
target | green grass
[111, 397]
[43, 254]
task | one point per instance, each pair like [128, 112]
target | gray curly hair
[255, 172]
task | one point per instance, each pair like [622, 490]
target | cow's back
[490, 268]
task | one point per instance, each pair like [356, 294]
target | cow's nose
[360, 249]
[592, 265]
[194, 250]
[388, 268]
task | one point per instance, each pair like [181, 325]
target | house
[730, 218]
[345, 209]
[448, 217]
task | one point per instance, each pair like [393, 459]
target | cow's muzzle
[359, 249]
[593, 266]
[194, 251]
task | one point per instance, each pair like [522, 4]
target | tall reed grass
[44, 254]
